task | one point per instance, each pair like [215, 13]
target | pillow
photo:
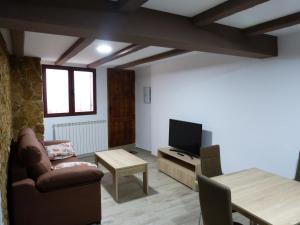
[60, 151]
[72, 164]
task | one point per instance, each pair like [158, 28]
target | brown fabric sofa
[39, 195]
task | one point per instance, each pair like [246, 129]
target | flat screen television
[185, 137]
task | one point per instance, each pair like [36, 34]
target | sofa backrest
[31, 154]
[16, 171]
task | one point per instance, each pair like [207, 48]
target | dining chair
[215, 202]
[297, 176]
[211, 161]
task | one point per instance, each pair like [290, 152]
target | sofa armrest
[23, 189]
[23, 201]
[67, 177]
[23, 184]
[54, 142]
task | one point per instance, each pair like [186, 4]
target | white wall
[251, 106]
[143, 110]
[101, 79]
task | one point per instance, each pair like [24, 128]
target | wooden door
[121, 107]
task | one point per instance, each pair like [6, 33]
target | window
[69, 91]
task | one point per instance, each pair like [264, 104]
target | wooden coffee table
[122, 163]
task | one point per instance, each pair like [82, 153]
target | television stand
[182, 168]
[179, 152]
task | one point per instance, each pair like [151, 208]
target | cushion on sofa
[68, 177]
[38, 169]
[32, 154]
[25, 131]
[73, 164]
[28, 150]
[60, 151]
[71, 159]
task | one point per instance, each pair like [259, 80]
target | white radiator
[86, 137]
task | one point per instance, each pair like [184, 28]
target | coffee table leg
[145, 180]
[115, 177]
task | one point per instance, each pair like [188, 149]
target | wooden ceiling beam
[152, 58]
[225, 9]
[3, 44]
[146, 27]
[121, 53]
[77, 47]
[272, 25]
[73, 4]
[130, 5]
[17, 42]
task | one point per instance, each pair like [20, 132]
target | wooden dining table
[263, 197]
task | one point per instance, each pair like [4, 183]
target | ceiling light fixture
[104, 49]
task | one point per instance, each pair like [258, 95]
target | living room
[226, 68]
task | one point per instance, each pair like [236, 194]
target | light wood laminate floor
[168, 202]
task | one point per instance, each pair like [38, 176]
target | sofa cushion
[32, 154]
[28, 150]
[60, 151]
[43, 166]
[71, 159]
[68, 177]
[16, 170]
[25, 131]
[74, 164]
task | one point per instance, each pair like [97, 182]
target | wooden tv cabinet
[182, 168]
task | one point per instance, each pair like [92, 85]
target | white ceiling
[50, 47]
[261, 13]
[187, 8]
[90, 54]
[288, 30]
[47, 46]
[173, 57]
[149, 51]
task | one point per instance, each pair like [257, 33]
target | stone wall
[26, 98]
[5, 125]
[21, 105]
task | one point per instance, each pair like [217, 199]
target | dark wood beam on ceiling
[130, 5]
[125, 51]
[77, 47]
[17, 42]
[73, 4]
[3, 44]
[275, 24]
[225, 9]
[144, 27]
[152, 58]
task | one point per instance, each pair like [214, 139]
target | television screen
[185, 136]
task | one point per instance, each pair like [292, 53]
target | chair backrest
[297, 176]
[211, 161]
[215, 202]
